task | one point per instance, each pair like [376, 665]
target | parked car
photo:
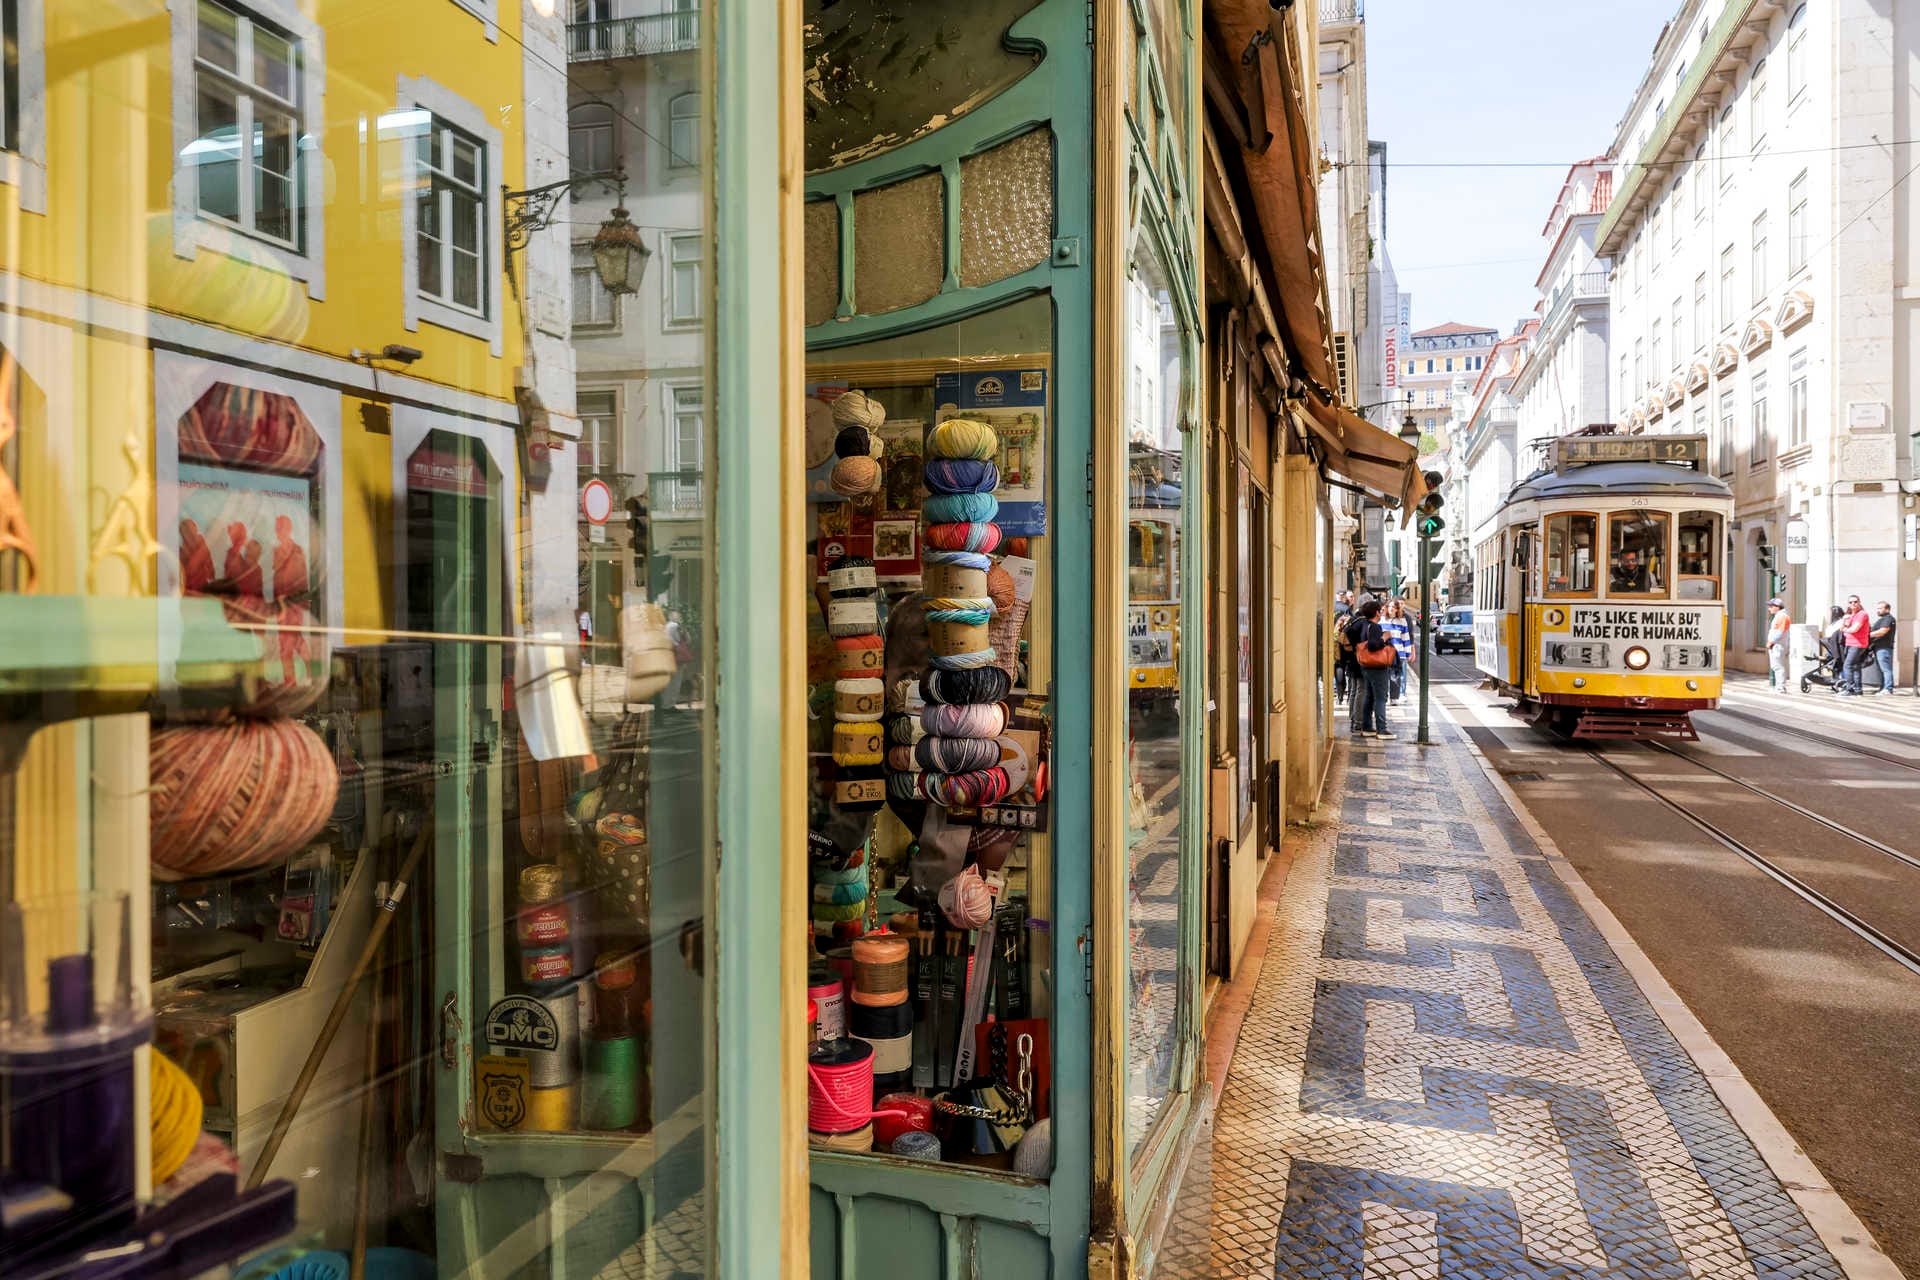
[1455, 632]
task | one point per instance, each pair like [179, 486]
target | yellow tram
[1600, 587]
[1153, 570]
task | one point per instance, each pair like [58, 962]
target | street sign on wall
[1798, 541]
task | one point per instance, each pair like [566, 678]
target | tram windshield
[1697, 548]
[1569, 558]
[1637, 553]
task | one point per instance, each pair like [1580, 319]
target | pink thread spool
[839, 1088]
[829, 996]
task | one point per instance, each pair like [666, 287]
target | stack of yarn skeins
[858, 445]
[958, 756]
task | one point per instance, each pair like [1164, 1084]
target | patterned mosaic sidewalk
[1446, 1072]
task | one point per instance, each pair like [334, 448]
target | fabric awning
[1367, 455]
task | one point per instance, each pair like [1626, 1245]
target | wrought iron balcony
[676, 493]
[1332, 11]
[1588, 286]
[632, 37]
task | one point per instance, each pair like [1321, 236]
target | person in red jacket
[1855, 629]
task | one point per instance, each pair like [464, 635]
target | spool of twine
[857, 408]
[880, 969]
[227, 797]
[859, 699]
[963, 537]
[860, 1139]
[858, 742]
[861, 655]
[898, 1113]
[962, 438]
[916, 1144]
[983, 684]
[957, 580]
[840, 1087]
[961, 475]
[965, 720]
[889, 1029]
[175, 1121]
[610, 1090]
[552, 1110]
[825, 990]
[961, 508]
[951, 639]
[853, 477]
[859, 790]
[851, 575]
[856, 616]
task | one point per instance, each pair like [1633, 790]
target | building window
[683, 131]
[1700, 420]
[599, 433]
[1429, 366]
[1757, 432]
[23, 94]
[1654, 369]
[1653, 237]
[450, 229]
[593, 306]
[246, 86]
[1449, 364]
[1797, 224]
[1700, 310]
[1797, 399]
[451, 218]
[1626, 389]
[1674, 223]
[1679, 332]
[1697, 179]
[1759, 263]
[684, 255]
[1729, 143]
[1726, 287]
[1726, 433]
[1796, 55]
[1429, 424]
[1639, 265]
[1639, 367]
[1430, 394]
[688, 408]
[1757, 106]
[590, 139]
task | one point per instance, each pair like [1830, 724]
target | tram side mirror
[1522, 550]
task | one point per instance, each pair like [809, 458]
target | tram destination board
[1574, 450]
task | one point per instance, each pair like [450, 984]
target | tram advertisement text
[1639, 624]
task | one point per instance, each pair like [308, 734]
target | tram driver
[1628, 573]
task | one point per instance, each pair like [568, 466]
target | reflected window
[593, 306]
[683, 131]
[452, 218]
[1697, 547]
[684, 254]
[1637, 554]
[599, 432]
[590, 139]
[1569, 561]
[245, 155]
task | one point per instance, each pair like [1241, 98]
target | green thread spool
[610, 1093]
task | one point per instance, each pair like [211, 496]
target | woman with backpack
[1373, 656]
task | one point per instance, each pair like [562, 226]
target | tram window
[1697, 548]
[1150, 559]
[1570, 550]
[1637, 553]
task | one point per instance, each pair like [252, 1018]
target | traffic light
[1429, 508]
[1766, 557]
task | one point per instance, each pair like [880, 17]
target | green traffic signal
[1430, 525]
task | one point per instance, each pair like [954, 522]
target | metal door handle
[449, 1030]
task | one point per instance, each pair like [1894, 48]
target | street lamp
[1410, 431]
[619, 254]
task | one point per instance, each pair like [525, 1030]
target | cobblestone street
[1446, 1070]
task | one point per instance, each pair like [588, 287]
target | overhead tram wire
[1631, 164]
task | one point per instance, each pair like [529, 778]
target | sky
[1499, 81]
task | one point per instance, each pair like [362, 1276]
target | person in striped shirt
[1400, 631]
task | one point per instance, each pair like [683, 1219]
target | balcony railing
[1588, 286]
[1332, 11]
[632, 37]
[676, 493]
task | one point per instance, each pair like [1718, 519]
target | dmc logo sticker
[519, 1022]
[989, 387]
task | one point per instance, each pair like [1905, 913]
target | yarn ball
[961, 508]
[1017, 546]
[965, 559]
[855, 442]
[853, 477]
[226, 797]
[964, 537]
[1033, 1157]
[1000, 588]
[965, 720]
[962, 438]
[956, 755]
[983, 684]
[966, 901]
[174, 1117]
[898, 1113]
[857, 409]
[961, 475]
[966, 790]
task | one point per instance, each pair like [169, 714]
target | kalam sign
[1639, 624]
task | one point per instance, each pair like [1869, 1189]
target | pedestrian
[1400, 631]
[1853, 629]
[1373, 656]
[1880, 645]
[1342, 652]
[1779, 643]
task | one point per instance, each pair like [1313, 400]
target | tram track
[1814, 897]
[1853, 748]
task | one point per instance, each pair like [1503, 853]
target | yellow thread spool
[552, 1110]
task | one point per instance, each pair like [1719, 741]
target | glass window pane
[823, 260]
[1637, 554]
[1697, 543]
[1569, 562]
[272, 62]
[1156, 1001]
[1006, 208]
[903, 265]
[465, 162]
[464, 221]
[215, 154]
[219, 36]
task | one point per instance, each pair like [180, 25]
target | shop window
[1698, 546]
[23, 89]
[1569, 560]
[245, 126]
[591, 139]
[1637, 554]
[593, 306]
[450, 160]
[821, 223]
[905, 265]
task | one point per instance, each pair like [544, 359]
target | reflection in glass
[880, 73]
[1155, 794]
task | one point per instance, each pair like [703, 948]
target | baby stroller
[1826, 674]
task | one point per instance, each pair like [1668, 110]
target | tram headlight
[1693, 686]
[1579, 682]
[1638, 658]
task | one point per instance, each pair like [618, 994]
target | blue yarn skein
[965, 559]
[961, 475]
[960, 508]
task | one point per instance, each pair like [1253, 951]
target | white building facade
[1763, 289]
[1562, 385]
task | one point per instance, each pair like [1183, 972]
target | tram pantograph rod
[1819, 901]
[1800, 809]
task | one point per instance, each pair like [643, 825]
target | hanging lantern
[619, 255]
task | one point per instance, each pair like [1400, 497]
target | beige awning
[1367, 455]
